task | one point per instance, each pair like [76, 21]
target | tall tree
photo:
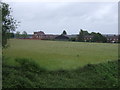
[24, 34]
[97, 37]
[10, 35]
[64, 33]
[85, 33]
[17, 34]
[81, 36]
[8, 22]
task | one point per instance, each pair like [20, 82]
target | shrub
[29, 65]
[30, 75]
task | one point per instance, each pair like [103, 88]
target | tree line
[96, 37]
[23, 35]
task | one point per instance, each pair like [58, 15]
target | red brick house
[112, 38]
[88, 38]
[42, 36]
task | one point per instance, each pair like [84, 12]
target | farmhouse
[42, 36]
[39, 35]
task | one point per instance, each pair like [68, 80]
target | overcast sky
[53, 18]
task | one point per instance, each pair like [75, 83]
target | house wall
[43, 36]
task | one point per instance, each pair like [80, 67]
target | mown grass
[28, 74]
[54, 55]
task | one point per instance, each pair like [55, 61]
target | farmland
[59, 64]
[55, 55]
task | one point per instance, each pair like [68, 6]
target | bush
[29, 65]
[28, 74]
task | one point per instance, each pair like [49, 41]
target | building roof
[39, 33]
[62, 37]
[114, 37]
[72, 36]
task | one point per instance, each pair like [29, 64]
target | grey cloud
[54, 17]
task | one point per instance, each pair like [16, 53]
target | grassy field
[54, 55]
[59, 64]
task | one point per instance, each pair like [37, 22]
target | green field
[54, 55]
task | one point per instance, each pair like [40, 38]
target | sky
[54, 17]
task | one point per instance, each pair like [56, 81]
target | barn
[62, 38]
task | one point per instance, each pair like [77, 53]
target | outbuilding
[62, 38]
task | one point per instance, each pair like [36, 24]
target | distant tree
[64, 33]
[10, 35]
[85, 33]
[24, 34]
[17, 34]
[8, 22]
[97, 37]
[104, 39]
[81, 36]
[93, 33]
[72, 39]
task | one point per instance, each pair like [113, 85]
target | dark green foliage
[10, 35]
[25, 74]
[25, 64]
[81, 36]
[8, 22]
[64, 33]
[85, 33]
[72, 39]
[28, 74]
[17, 34]
[24, 34]
[93, 33]
[97, 37]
